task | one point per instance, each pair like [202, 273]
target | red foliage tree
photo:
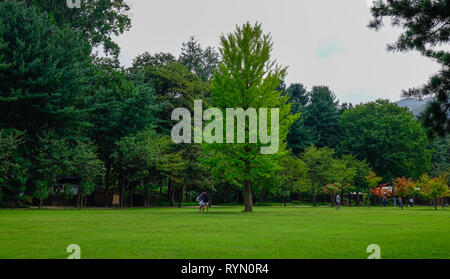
[381, 191]
[403, 186]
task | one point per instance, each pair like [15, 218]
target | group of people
[398, 201]
[203, 201]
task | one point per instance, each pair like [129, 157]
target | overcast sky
[324, 42]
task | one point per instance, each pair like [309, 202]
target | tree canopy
[426, 25]
[388, 137]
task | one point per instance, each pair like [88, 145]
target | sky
[323, 42]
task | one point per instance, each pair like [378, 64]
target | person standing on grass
[199, 200]
[338, 202]
[400, 202]
[411, 202]
[204, 202]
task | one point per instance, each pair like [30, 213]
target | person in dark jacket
[203, 201]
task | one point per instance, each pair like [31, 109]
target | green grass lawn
[298, 233]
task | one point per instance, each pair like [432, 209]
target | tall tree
[373, 181]
[343, 175]
[298, 96]
[294, 176]
[52, 162]
[319, 162]
[174, 85]
[97, 20]
[86, 166]
[434, 188]
[300, 135]
[148, 59]
[427, 29]
[388, 137]
[247, 78]
[13, 167]
[44, 74]
[322, 117]
[403, 187]
[362, 170]
[440, 160]
[202, 62]
[140, 158]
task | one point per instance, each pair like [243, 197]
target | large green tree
[13, 167]
[97, 20]
[362, 169]
[320, 163]
[86, 166]
[43, 74]
[300, 135]
[426, 25]
[247, 78]
[141, 158]
[120, 104]
[388, 137]
[174, 85]
[52, 162]
[440, 160]
[202, 62]
[294, 176]
[321, 117]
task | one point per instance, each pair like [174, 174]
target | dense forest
[76, 127]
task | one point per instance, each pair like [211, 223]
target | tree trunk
[145, 197]
[170, 191]
[181, 197]
[248, 196]
[357, 198]
[314, 198]
[78, 198]
[122, 195]
[131, 196]
[107, 181]
[172, 198]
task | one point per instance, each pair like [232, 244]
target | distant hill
[414, 105]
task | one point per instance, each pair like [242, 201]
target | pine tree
[202, 62]
[97, 21]
[300, 136]
[427, 30]
[42, 86]
[322, 117]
